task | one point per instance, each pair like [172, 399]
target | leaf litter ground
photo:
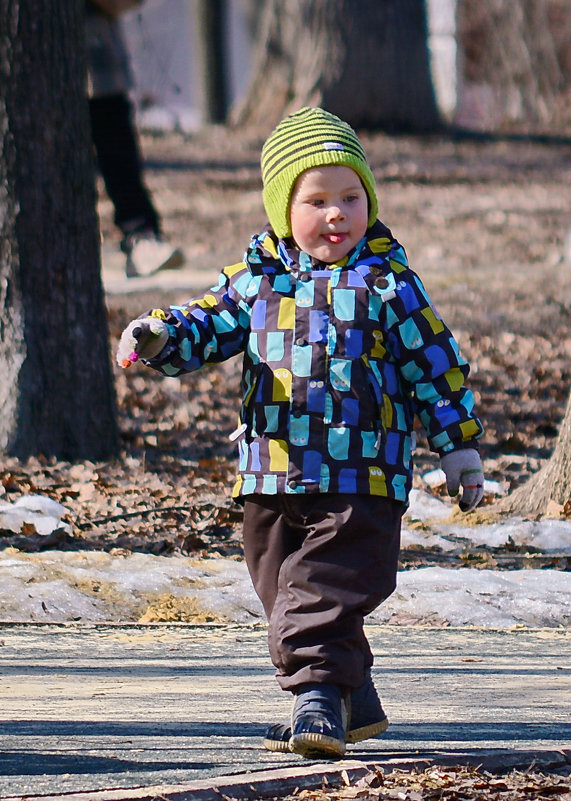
[460, 783]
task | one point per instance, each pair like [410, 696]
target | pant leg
[118, 157]
[268, 539]
[345, 566]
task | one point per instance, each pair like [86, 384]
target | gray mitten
[144, 338]
[464, 467]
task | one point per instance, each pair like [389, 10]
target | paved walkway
[181, 710]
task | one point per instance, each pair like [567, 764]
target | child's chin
[331, 253]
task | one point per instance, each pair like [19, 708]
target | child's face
[328, 212]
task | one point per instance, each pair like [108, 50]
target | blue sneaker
[277, 738]
[366, 719]
[318, 722]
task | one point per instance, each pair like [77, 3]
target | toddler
[341, 349]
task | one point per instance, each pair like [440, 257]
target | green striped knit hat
[309, 138]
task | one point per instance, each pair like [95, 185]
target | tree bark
[367, 62]
[551, 483]
[56, 396]
[519, 53]
[209, 15]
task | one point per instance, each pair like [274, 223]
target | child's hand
[464, 467]
[144, 338]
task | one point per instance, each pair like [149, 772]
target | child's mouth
[335, 239]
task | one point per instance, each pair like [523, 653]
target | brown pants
[319, 564]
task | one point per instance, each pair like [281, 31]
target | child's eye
[316, 202]
[351, 198]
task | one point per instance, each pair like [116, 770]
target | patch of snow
[485, 598]
[423, 506]
[494, 487]
[94, 586]
[547, 536]
[434, 478]
[437, 478]
[43, 513]
[61, 586]
[426, 539]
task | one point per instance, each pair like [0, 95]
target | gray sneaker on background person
[147, 253]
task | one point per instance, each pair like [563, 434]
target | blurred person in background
[115, 139]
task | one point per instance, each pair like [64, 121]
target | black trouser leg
[319, 564]
[118, 157]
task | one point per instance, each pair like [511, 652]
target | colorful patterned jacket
[337, 361]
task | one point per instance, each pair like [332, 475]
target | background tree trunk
[56, 394]
[516, 59]
[209, 15]
[367, 62]
[551, 483]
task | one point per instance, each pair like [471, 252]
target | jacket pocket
[377, 400]
[246, 417]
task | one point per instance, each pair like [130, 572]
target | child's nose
[335, 212]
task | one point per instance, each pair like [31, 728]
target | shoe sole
[366, 732]
[316, 746]
[352, 736]
[277, 746]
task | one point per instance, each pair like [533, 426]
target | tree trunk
[551, 483]
[367, 62]
[516, 58]
[209, 15]
[56, 394]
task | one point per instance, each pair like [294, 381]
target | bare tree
[366, 61]
[56, 395]
[551, 483]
